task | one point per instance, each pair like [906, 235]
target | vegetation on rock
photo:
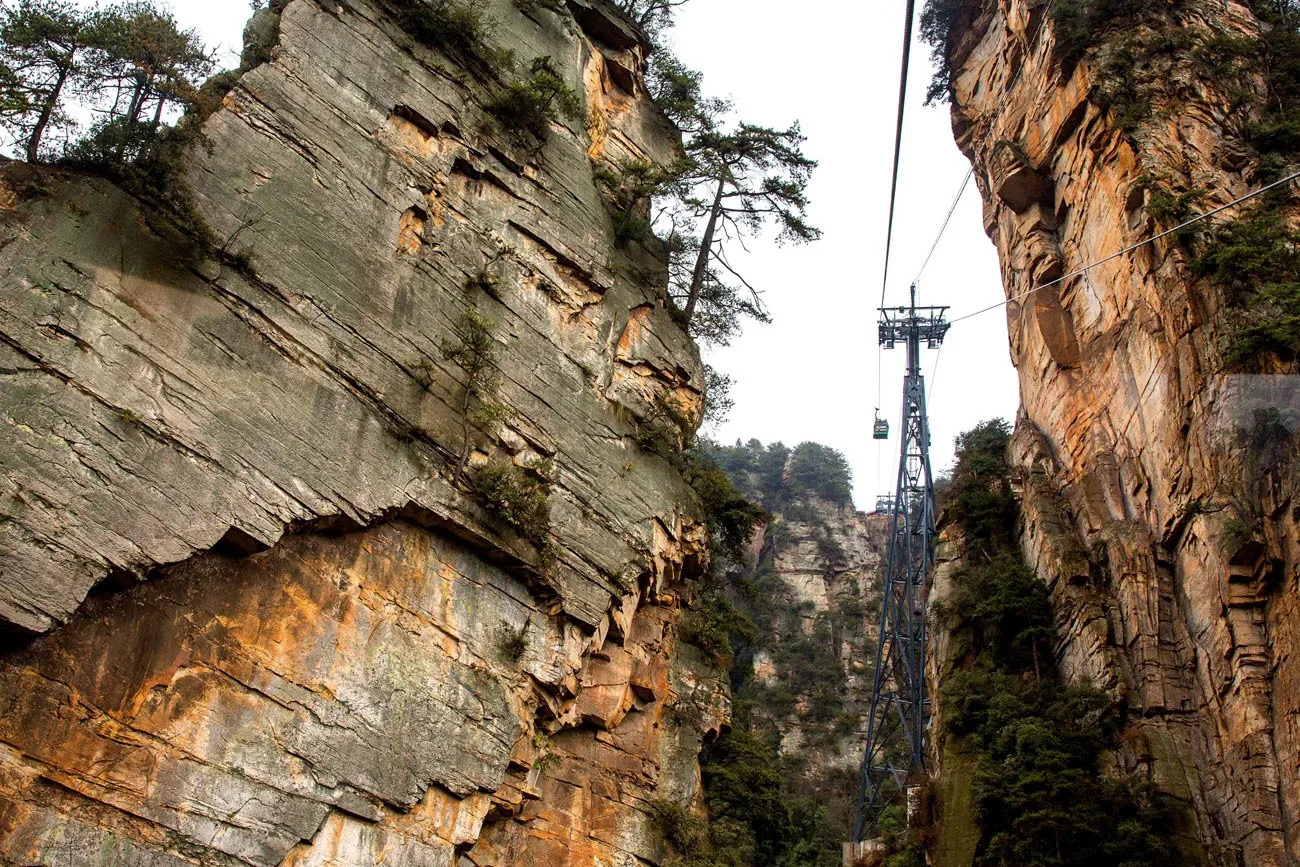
[782, 808]
[527, 108]
[1040, 793]
[459, 28]
[511, 643]
[762, 811]
[1256, 259]
[516, 497]
[474, 351]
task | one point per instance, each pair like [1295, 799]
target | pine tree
[44, 45]
[735, 181]
[131, 64]
[742, 180]
[146, 65]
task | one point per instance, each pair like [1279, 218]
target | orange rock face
[345, 700]
[1168, 535]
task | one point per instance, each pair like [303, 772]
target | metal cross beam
[895, 758]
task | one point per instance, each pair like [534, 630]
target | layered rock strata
[256, 614]
[812, 590]
[825, 560]
[1165, 527]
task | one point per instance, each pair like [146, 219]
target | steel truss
[895, 757]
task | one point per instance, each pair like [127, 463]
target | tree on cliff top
[735, 180]
[740, 181]
[44, 48]
[129, 64]
[652, 16]
[821, 471]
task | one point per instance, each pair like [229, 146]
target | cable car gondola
[881, 431]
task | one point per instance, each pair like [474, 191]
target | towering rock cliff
[812, 594]
[263, 606]
[1157, 485]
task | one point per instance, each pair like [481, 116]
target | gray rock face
[828, 560]
[340, 656]
[151, 406]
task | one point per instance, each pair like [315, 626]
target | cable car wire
[1086, 268]
[970, 173]
[898, 142]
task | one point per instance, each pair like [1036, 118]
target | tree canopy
[739, 180]
[735, 181]
[129, 66]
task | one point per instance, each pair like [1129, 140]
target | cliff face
[812, 592]
[256, 615]
[821, 562]
[1157, 508]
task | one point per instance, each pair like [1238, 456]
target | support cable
[946, 220]
[934, 374]
[1086, 268]
[898, 142]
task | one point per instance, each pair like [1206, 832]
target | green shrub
[1256, 259]
[682, 829]
[1278, 50]
[1039, 792]
[1236, 534]
[510, 642]
[1006, 610]
[664, 430]
[148, 162]
[474, 350]
[527, 108]
[516, 497]
[1167, 206]
[457, 27]
[531, 7]
[758, 819]
[1079, 24]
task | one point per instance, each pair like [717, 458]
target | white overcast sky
[813, 373]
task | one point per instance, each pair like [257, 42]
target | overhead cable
[1086, 268]
[946, 220]
[898, 142]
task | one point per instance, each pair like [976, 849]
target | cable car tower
[900, 707]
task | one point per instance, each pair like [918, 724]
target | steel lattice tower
[900, 707]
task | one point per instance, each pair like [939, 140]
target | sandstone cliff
[812, 593]
[1158, 506]
[256, 615]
